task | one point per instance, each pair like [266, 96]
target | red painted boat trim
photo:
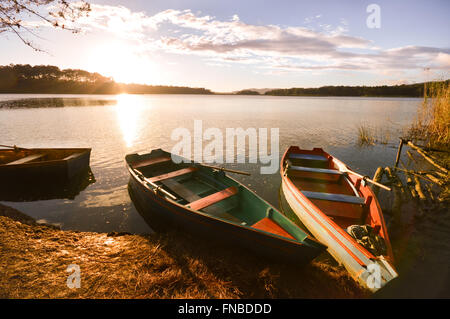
[213, 198]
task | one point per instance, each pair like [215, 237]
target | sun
[123, 63]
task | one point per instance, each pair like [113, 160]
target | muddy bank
[171, 265]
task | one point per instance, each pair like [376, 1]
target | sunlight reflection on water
[129, 109]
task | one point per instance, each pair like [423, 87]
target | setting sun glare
[121, 62]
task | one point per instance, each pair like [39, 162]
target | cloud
[234, 37]
[115, 19]
[268, 46]
[443, 60]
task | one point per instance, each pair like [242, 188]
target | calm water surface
[114, 126]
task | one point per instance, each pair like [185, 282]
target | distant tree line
[405, 90]
[247, 92]
[19, 78]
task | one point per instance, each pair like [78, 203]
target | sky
[232, 45]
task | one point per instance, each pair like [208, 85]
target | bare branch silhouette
[56, 13]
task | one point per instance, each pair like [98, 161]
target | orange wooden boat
[341, 211]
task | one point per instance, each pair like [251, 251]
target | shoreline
[165, 265]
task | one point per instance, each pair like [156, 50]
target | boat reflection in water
[45, 190]
[43, 173]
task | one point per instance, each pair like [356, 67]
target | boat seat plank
[213, 198]
[190, 196]
[151, 161]
[316, 170]
[270, 226]
[334, 197]
[330, 175]
[26, 159]
[312, 157]
[173, 174]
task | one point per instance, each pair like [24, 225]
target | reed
[365, 135]
[432, 123]
[368, 135]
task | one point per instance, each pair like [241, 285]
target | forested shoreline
[404, 90]
[48, 79]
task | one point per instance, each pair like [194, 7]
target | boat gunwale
[54, 161]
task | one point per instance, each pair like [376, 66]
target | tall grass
[370, 135]
[365, 136]
[432, 124]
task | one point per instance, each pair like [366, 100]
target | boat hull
[46, 171]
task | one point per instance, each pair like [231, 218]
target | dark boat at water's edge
[206, 202]
[41, 165]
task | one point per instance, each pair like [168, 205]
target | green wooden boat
[206, 201]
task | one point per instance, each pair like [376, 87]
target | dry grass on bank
[35, 258]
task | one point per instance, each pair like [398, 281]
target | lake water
[114, 126]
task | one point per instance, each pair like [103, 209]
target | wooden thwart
[311, 157]
[268, 225]
[26, 159]
[173, 174]
[330, 175]
[213, 198]
[334, 197]
[316, 170]
[190, 196]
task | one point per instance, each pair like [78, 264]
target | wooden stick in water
[398, 194]
[367, 179]
[418, 188]
[425, 156]
[399, 152]
[414, 173]
[377, 177]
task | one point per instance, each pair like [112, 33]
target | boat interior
[331, 190]
[22, 156]
[211, 192]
